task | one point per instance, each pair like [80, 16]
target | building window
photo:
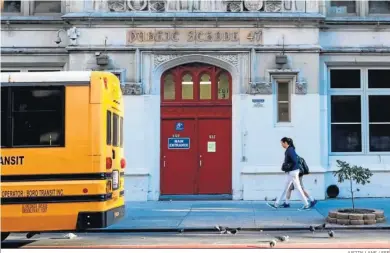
[283, 99]
[379, 7]
[196, 83]
[379, 78]
[169, 87]
[345, 79]
[346, 124]
[55, 7]
[205, 87]
[359, 110]
[223, 86]
[379, 123]
[342, 8]
[187, 87]
[11, 6]
[46, 7]
[27, 110]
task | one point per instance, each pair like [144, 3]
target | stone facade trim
[265, 87]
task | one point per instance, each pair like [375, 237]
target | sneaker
[272, 205]
[285, 205]
[308, 207]
[313, 203]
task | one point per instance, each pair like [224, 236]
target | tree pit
[357, 216]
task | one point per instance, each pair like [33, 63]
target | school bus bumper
[88, 220]
[47, 217]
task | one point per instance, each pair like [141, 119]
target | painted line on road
[333, 245]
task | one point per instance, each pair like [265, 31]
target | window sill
[360, 154]
[286, 124]
[29, 19]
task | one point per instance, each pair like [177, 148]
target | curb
[249, 229]
[332, 245]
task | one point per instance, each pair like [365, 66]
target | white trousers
[293, 178]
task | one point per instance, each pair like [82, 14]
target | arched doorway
[196, 130]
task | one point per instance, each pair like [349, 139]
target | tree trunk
[353, 202]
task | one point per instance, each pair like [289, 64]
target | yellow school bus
[62, 164]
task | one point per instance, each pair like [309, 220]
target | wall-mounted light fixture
[58, 39]
[281, 59]
[102, 58]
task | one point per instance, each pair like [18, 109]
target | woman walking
[291, 167]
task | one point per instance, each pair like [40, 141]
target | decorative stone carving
[73, 34]
[100, 5]
[157, 6]
[288, 4]
[116, 5]
[132, 89]
[253, 5]
[283, 71]
[161, 58]
[231, 58]
[196, 5]
[203, 5]
[263, 87]
[300, 6]
[273, 5]
[209, 5]
[234, 6]
[137, 5]
[301, 87]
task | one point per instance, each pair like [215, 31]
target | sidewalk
[173, 215]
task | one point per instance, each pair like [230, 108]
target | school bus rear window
[121, 132]
[24, 114]
[115, 132]
[109, 136]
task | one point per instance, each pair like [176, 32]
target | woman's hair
[289, 141]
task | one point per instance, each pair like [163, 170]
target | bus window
[31, 107]
[109, 136]
[115, 132]
[121, 132]
[4, 121]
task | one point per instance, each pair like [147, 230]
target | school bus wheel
[4, 235]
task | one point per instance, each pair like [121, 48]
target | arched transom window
[196, 83]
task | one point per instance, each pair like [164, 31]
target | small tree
[358, 174]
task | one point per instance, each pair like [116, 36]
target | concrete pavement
[250, 215]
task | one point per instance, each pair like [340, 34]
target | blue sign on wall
[178, 143]
[179, 126]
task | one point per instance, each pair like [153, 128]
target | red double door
[196, 156]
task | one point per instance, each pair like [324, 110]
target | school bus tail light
[123, 163]
[108, 163]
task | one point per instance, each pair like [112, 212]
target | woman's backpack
[303, 168]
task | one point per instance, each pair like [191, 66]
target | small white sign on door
[211, 146]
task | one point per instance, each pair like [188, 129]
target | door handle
[164, 164]
[200, 160]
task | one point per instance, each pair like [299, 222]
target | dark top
[290, 156]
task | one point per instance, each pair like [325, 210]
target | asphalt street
[257, 239]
